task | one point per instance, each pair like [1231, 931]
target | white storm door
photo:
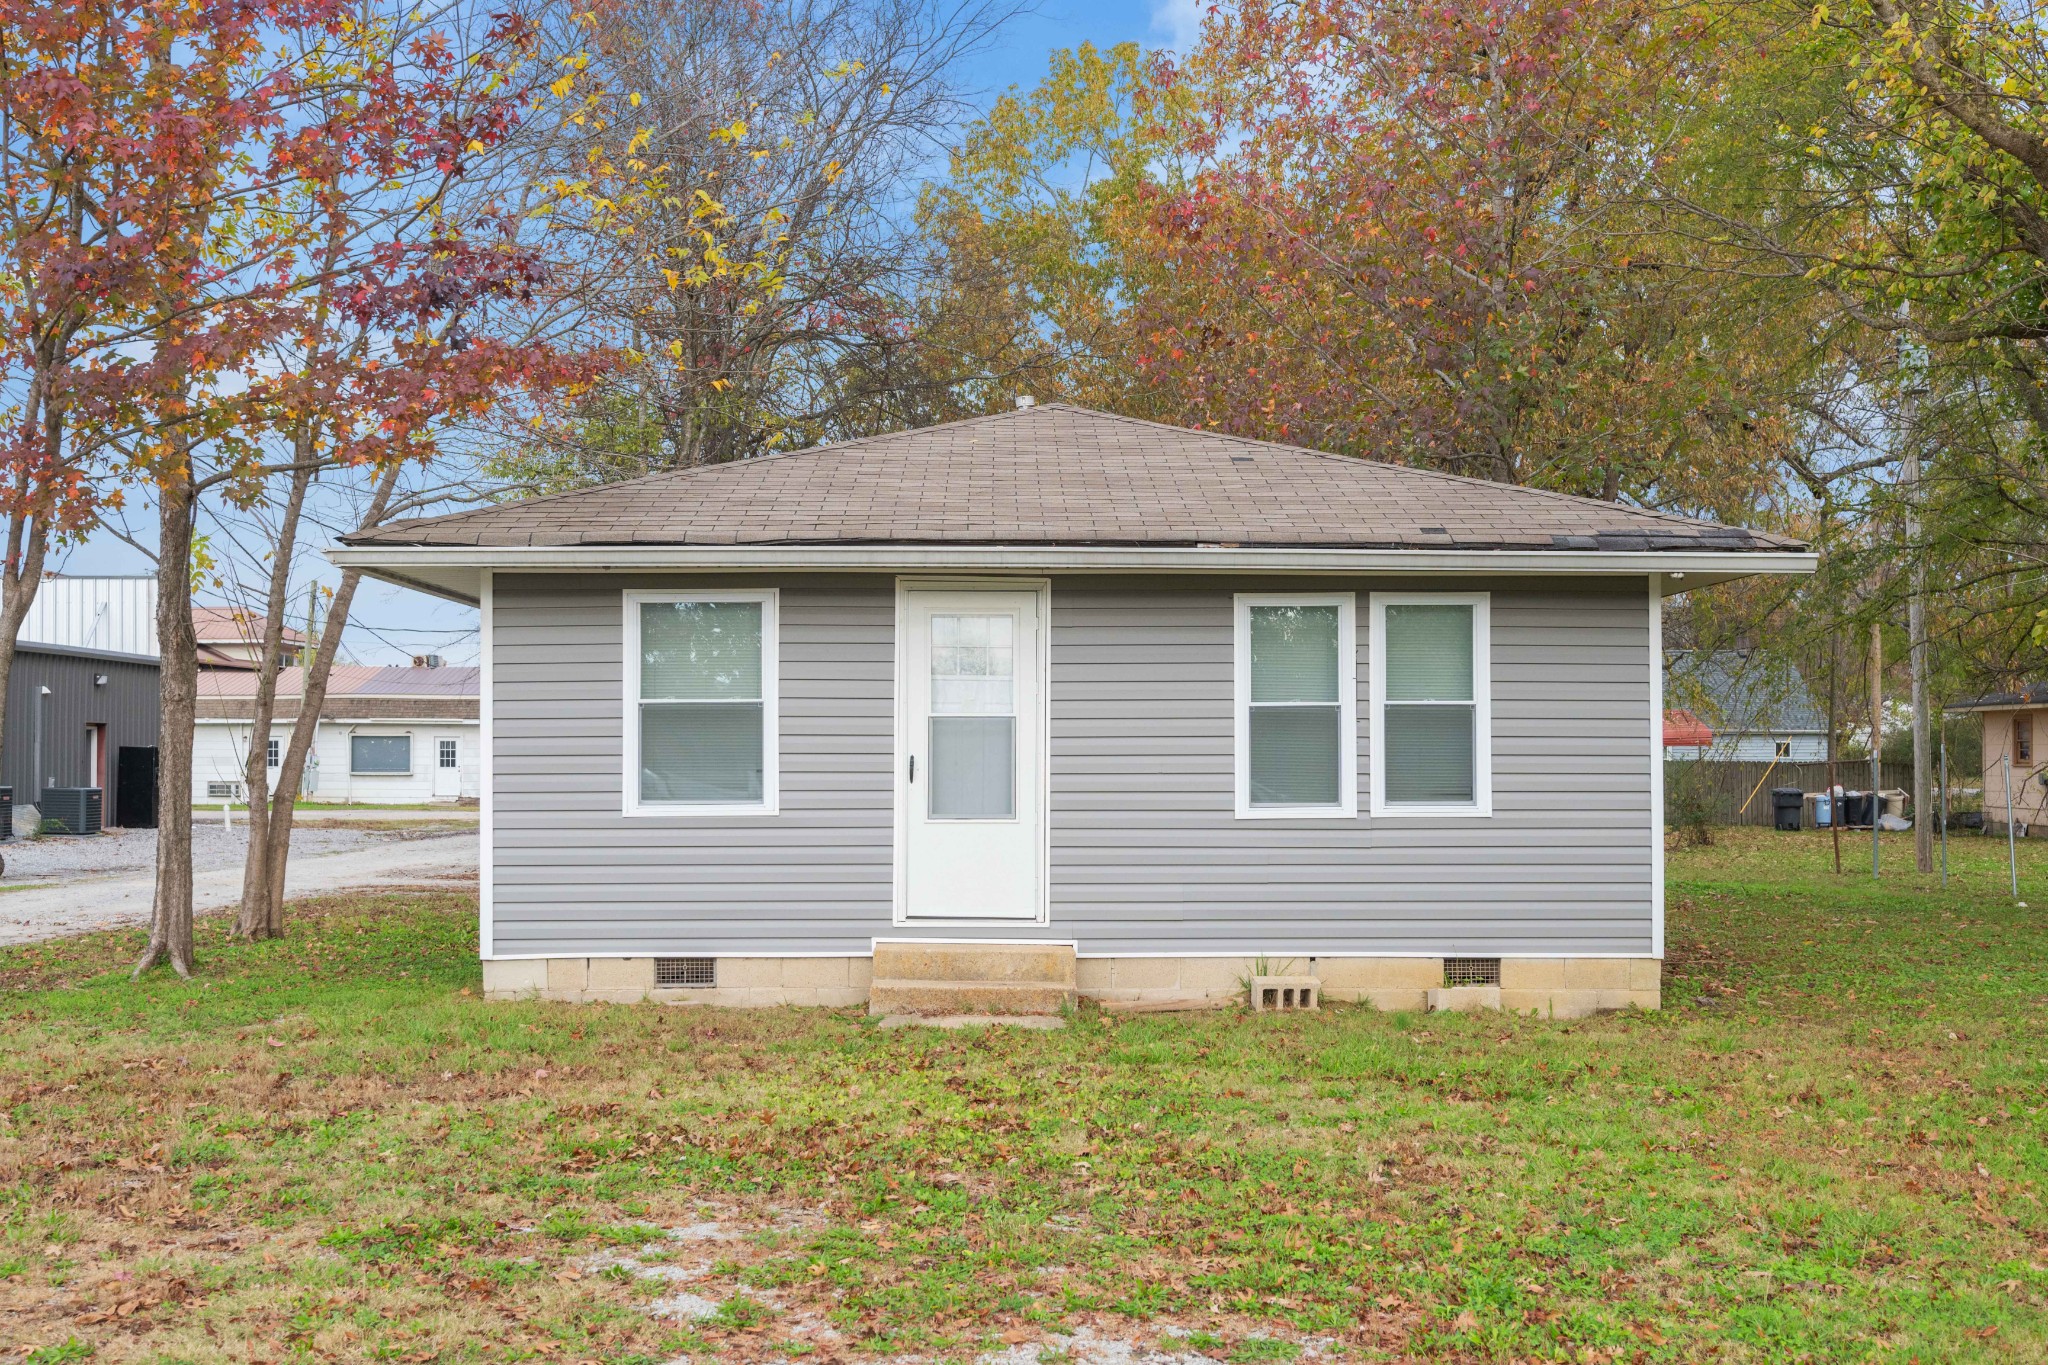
[447, 767]
[974, 749]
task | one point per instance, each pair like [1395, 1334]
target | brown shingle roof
[1062, 475]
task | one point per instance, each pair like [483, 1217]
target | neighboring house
[1053, 700]
[386, 735]
[1757, 707]
[2015, 747]
[82, 697]
[230, 637]
[116, 613]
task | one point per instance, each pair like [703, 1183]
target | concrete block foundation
[1556, 988]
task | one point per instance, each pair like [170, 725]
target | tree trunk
[170, 929]
[261, 917]
[20, 579]
[277, 830]
[28, 543]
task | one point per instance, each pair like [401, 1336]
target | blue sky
[389, 624]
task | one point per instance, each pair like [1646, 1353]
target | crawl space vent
[686, 971]
[1471, 971]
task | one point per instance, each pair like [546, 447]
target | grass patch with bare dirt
[1828, 1147]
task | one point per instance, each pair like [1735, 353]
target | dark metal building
[70, 715]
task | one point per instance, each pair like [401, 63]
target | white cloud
[1179, 22]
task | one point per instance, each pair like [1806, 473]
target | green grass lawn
[1829, 1146]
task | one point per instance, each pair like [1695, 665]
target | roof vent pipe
[1025, 400]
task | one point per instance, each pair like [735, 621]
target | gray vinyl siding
[1146, 853]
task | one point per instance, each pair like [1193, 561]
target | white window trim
[1347, 701]
[411, 764]
[1482, 699]
[771, 741]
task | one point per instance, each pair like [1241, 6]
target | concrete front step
[909, 995]
[1047, 964]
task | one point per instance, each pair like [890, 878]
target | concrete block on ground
[1282, 994]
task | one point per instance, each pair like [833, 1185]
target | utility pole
[1835, 802]
[1916, 636]
[1876, 735]
[312, 624]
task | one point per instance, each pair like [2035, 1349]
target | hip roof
[1056, 474]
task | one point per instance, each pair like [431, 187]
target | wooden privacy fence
[1722, 787]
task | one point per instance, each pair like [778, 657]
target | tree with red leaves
[295, 281]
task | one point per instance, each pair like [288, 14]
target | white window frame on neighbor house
[1346, 806]
[1481, 703]
[411, 750]
[771, 746]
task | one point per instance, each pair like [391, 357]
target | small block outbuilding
[2015, 773]
[1182, 705]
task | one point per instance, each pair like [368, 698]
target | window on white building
[379, 755]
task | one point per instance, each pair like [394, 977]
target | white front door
[447, 768]
[973, 754]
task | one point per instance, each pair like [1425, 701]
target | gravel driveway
[59, 886]
[60, 858]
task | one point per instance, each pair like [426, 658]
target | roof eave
[457, 572]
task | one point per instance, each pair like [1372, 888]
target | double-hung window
[1297, 705]
[1431, 715]
[700, 703]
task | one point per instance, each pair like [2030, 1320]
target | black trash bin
[1856, 810]
[1788, 808]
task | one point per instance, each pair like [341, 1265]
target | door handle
[913, 767]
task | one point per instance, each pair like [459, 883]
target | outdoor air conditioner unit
[74, 810]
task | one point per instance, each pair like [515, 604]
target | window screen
[701, 703]
[1429, 728]
[380, 753]
[1295, 732]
